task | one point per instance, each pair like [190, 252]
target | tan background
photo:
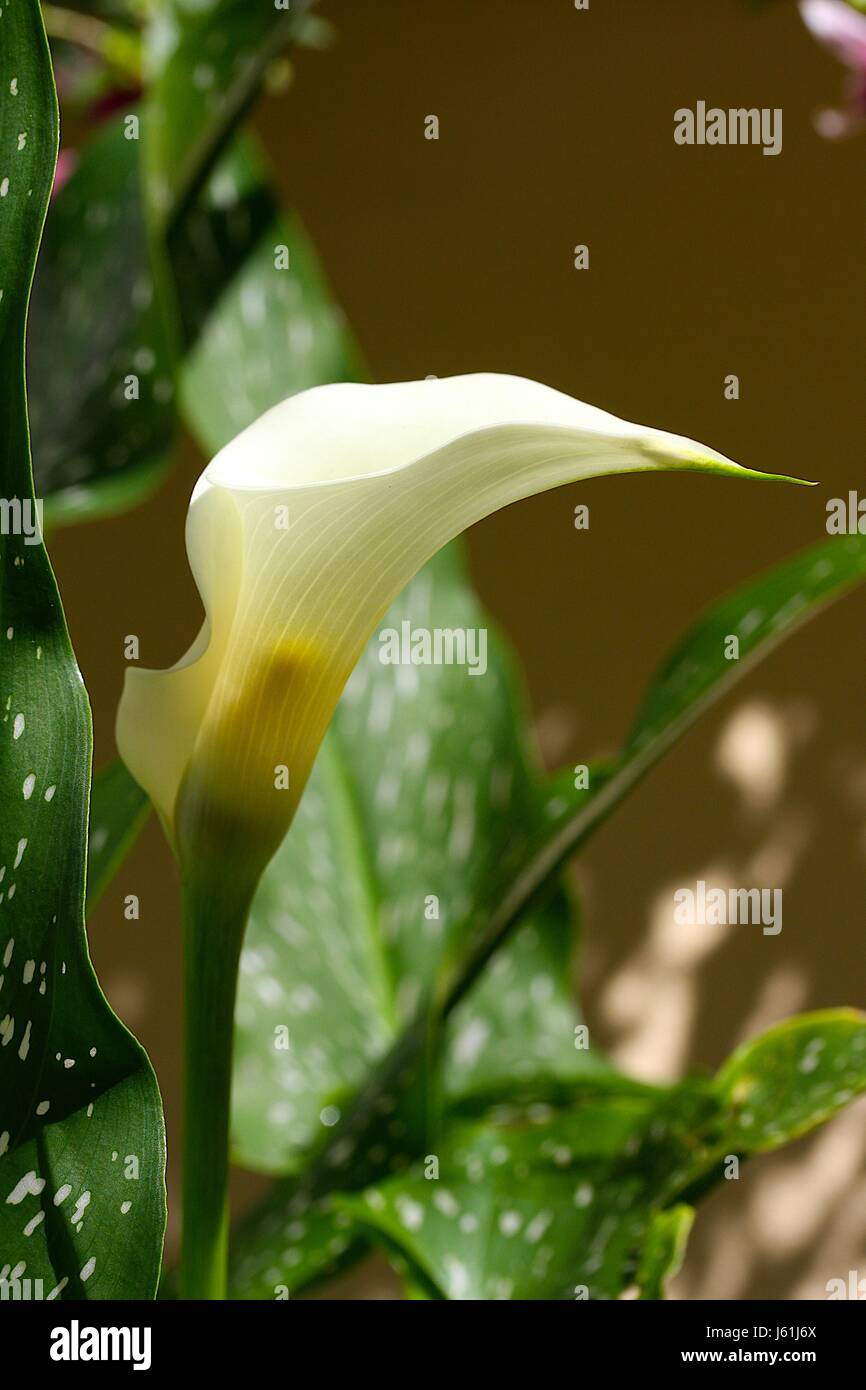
[557, 128]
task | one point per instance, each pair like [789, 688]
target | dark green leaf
[273, 328]
[118, 810]
[81, 1174]
[273, 333]
[209, 60]
[300, 1248]
[520, 1209]
[254, 312]
[101, 384]
[220, 230]
[585, 1201]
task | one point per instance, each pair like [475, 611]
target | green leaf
[312, 994]
[793, 1078]
[761, 614]
[274, 331]
[101, 377]
[254, 333]
[311, 1243]
[81, 1174]
[587, 1200]
[265, 1254]
[664, 1250]
[208, 62]
[118, 810]
[521, 1209]
[517, 1035]
[422, 785]
[220, 230]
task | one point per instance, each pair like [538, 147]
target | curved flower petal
[300, 534]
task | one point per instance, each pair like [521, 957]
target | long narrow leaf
[82, 1150]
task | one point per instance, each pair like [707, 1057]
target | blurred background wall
[456, 255]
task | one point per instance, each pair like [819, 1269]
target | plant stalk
[214, 921]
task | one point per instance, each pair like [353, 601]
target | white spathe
[300, 533]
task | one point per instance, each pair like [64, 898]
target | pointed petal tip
[687, 455]
[781, 478]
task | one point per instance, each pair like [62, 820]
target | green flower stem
[214, 921]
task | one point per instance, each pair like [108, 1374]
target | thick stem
[214, 920]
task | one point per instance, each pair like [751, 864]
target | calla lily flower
[300, 534]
